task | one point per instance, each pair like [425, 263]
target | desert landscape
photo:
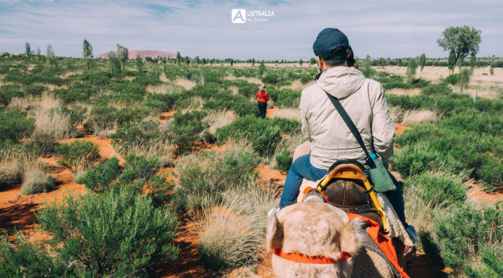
[180, 150]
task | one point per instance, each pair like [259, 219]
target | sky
[379, 28]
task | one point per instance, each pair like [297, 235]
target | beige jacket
[364, 101]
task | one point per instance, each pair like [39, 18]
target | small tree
[312, 61]
[491, 69]
[300, 62]
[367, 66]
[39, 57]
[122, 55]
[87, 53]
[464, 79]
[253, 62]
[27, 49]
[114, 63]
[178, 57]
[462, 41]
[411, 70]
[232, 62]
[422, 61]
[50, 56]
[399, 62]
[382, 62]
[261, 69]
[139, 64]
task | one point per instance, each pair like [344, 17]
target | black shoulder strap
[350, 124]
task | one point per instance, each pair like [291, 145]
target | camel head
[314, 229]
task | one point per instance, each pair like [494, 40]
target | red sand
[270, 111]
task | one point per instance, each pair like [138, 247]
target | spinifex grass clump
[117, 233]
[265, 134]
[79, 154]
[204, 176]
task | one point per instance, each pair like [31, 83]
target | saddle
[346, 186]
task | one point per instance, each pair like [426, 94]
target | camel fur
[312, 228]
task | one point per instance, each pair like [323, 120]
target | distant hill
[143, 53]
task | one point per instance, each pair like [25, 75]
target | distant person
[263, 97]
[330, 139]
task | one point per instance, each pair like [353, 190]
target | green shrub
[202, 182]
[288, 98]
[14, 125]
[243, 107]
[439, 188]
[131, 136]
[7, 92]
[118, 233]
[477, 234]
[284, 160]
[452, 79]
[138, 168]
[100, 177]
[80, 154]
[271, 78]
[265, 134]
[26, 259]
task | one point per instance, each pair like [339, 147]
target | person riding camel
[330, 138]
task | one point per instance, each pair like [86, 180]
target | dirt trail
[270, 111]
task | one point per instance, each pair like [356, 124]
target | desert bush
[217, 119]
[34, 90]
[459, 247]
[118, 233]
[77, 92]
[27, 259]
[162, 102]
[14, 125]
[264, 133]
[438, 188]
[422, 157]
[232, 233]
[102, 118]
[452, 79]
[138, 168]
[78, 113]
[288, 98]
[99, 178]
[36, 180]
[243, 107]
[7, 92]
[203, 177]
[284, 160]
[79, 154]
[271, 78]
[142, 138]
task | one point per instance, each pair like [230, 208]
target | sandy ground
[482, 82]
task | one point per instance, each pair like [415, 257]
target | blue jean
[301, 168]
[262, 107]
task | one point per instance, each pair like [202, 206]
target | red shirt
[263, 97]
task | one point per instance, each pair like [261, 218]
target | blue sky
[380, 28]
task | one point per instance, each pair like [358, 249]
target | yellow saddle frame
[352, 171]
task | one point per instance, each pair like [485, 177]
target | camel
[316, 229]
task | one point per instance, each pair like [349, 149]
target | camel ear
[349, 237]
[274, 233]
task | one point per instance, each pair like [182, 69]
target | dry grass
[412, 118]
[233, 232]
[168, 88]
[11, 172]
[403, 92]
[288, 113]
[185, 83]
[396, 114]
[156, 148]
[289, 144]
[217, 119]
[35, 179]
